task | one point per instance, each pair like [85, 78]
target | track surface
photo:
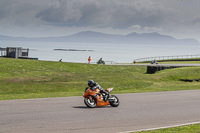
[70, 115]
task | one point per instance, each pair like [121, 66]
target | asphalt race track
[70, 115]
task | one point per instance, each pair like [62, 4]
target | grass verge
[183, 129]
[23, 79]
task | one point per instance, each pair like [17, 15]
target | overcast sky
[179, 18]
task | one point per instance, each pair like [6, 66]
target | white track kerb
[151, 129]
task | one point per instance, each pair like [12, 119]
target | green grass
[184, 129]
[21, 79]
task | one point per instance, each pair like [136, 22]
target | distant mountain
[97, 37]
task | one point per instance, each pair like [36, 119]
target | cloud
[17, 12]
[104, 13]
[196, 20]
[5, 8]
[139, 29]
[122, 16]
[135, 27]
[61, 12]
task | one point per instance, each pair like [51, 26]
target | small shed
[14, 52]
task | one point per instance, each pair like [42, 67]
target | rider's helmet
[90, 83]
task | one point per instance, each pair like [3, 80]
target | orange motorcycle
[100, 99]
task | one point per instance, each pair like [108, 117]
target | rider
[94, 86]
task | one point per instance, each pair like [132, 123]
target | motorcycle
[101, 99]
[100, 61]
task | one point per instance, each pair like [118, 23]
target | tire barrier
[189, 80]
[154, 68]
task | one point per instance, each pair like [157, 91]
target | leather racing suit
[97, 86]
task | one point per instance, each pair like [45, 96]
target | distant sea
[79, 52]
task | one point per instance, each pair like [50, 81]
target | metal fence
[167, 57]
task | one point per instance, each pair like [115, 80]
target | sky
[42, 18]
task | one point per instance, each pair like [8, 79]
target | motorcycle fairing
[101, 102]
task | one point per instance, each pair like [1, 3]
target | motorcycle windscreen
[109, 90]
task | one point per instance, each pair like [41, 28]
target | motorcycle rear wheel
[114, 101]
[90, 103]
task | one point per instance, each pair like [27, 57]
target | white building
[14, 52]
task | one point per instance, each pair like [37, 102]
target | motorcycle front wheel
[90, 103]
[114, 101]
